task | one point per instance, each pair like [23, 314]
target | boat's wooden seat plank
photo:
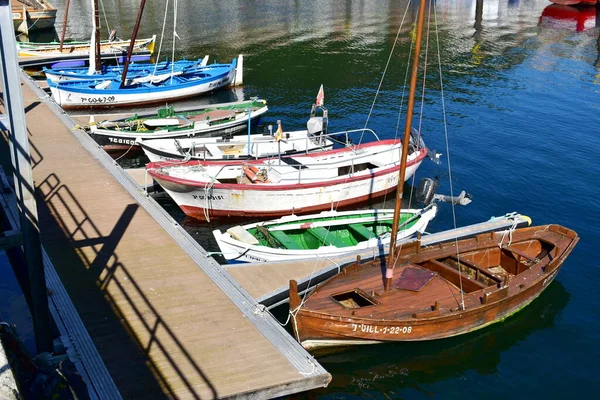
[476, 267]
[328, 238]
[452, 276]
[362, 230]
[212, 116]
[520, 253]
[285, 240]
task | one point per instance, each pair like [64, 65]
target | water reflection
[376, 368]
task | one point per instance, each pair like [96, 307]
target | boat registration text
[209, 197]
[93, 100]
[392, 330]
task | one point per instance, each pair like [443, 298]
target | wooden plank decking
[166, 319]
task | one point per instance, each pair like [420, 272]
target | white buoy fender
[204, 61]
[239, 74]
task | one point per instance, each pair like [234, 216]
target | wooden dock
[167, 320]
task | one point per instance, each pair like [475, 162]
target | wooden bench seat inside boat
[326, 237]
[213, 116]
[520, 253]
[515, 260]
[286, 241]
[362, 230]
[451, 275]
[477, 269]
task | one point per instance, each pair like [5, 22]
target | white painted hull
[109, 136]
[238, 251]
[215, 148]
[69, 99]
[317, 187]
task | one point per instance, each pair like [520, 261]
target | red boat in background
[566, 17]
[575, 2]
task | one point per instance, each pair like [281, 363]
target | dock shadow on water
[414, 366]
[87, 262]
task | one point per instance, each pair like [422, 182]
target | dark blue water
[521, 89]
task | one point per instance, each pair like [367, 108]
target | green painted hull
[344, 233]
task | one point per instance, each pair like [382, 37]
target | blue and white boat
[115, 71]
[149, 89]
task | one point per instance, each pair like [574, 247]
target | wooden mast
[132, 43]
[97, 20]
[64, 29]
[405, 144]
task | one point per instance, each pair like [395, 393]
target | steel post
[23, 177]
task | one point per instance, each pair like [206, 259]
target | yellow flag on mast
[279, 133]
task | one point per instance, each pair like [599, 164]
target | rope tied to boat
[508, 232]
[124, 154]
[208, 187]
[140, 127]
[261, 309]
[314, 367]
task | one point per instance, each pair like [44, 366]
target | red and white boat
[575, 2]
[279, 186]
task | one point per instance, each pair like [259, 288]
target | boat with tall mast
[433, 292]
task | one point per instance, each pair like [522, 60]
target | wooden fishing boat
[33, 15]
[81, 49]
[239, 147]
[169, 124]
[296, 184]
[436, 292]
[135, 70]
[328, 234]
[112, 93]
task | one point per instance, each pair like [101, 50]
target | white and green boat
[328, 234]
[167, 123]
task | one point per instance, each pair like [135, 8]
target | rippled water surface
[521, 96]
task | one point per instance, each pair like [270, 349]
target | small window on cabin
[228, 180]
[355, 168]
[354, 299]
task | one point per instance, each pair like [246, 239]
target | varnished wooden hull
[316, 328]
